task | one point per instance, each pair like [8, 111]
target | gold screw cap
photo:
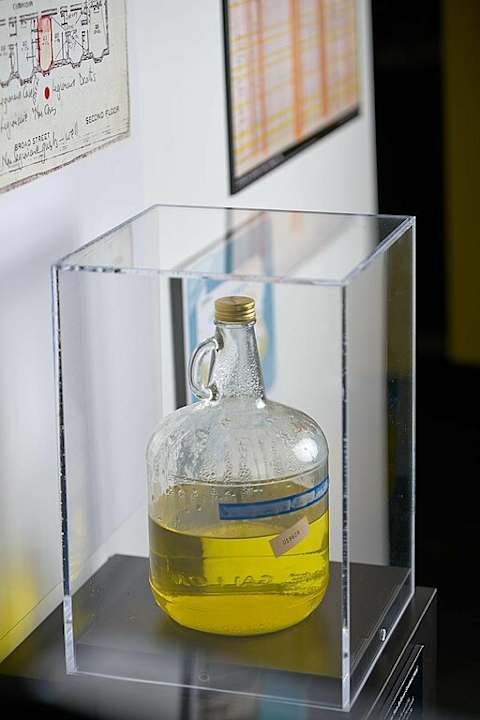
[235, 309]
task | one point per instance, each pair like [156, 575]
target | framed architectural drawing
[292, 77]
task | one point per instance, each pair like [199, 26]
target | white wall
[177, 152]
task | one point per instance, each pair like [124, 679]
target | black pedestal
[116, 611]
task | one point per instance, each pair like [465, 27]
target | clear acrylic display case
[335, 307]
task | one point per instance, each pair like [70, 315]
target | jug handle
[208, 346]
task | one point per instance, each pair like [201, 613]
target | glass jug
[238, 495]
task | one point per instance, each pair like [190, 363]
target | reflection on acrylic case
[250, 253]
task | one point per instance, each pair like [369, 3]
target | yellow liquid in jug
[225, 578]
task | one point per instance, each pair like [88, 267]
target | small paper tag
[290, 537]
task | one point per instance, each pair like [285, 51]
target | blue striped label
[269, 508]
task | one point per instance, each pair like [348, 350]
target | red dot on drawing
[46, 92]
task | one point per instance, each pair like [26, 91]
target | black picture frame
[240, 182]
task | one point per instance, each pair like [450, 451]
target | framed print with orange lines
[292, 77]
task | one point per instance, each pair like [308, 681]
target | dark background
[413, 52]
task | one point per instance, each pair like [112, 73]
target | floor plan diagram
[68, 34]
[63, 83]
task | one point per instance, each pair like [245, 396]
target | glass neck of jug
[236, 372]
